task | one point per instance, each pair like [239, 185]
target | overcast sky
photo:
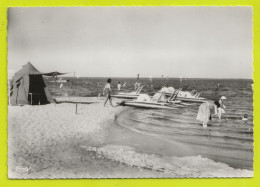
[192, 42]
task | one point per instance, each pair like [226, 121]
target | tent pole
[17, 96]
[55, 85]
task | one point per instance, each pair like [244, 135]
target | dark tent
[28, 87]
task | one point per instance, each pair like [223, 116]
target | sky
[191, 42]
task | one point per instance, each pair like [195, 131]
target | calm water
[176, 132]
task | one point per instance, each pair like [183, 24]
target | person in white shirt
[119, 86]
[107, 92]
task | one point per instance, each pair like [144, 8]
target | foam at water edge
[192, 166]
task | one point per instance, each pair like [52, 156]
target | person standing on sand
[107, 92]
[204, 113]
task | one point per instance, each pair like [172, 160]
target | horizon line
[156, 77]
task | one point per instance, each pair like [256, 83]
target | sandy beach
[47, 140]
[51, 141]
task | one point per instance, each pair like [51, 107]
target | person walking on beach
[107, 92]
[204, 113]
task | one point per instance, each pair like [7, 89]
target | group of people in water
[206, 112]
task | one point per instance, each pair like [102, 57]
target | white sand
[47, 139]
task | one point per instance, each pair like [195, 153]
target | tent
[28, 87]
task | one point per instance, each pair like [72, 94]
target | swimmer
[245, 117]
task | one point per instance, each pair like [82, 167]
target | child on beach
[107, 92]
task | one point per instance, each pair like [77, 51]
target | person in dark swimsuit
[217, 103]
[219, 108]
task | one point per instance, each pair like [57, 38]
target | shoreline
[54, 142]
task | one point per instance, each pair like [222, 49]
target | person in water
[204, 113]
[135, 85]
[205, 110]
[119, 86]
[245, 117]
[138, 84]
[107, 92]
[219, 108]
